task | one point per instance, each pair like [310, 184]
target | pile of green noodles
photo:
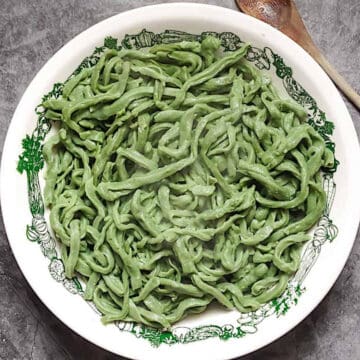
[177, 178]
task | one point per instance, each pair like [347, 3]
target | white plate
[217, 334]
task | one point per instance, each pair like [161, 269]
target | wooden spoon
[284, 15]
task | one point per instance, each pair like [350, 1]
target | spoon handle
[296, 30]
[341, 83]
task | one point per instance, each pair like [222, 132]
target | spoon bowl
[274, 12]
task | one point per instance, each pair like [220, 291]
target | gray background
[31, 31]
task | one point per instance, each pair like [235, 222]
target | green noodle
[179, 177]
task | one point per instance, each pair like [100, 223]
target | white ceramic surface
[193, 18]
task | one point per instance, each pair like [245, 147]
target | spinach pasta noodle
[178, 177]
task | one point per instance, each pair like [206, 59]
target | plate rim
[184, 6]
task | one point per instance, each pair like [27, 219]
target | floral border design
[31, 162]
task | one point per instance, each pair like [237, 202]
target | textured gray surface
[30, 32]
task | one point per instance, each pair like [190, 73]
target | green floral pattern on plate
[31, 162]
